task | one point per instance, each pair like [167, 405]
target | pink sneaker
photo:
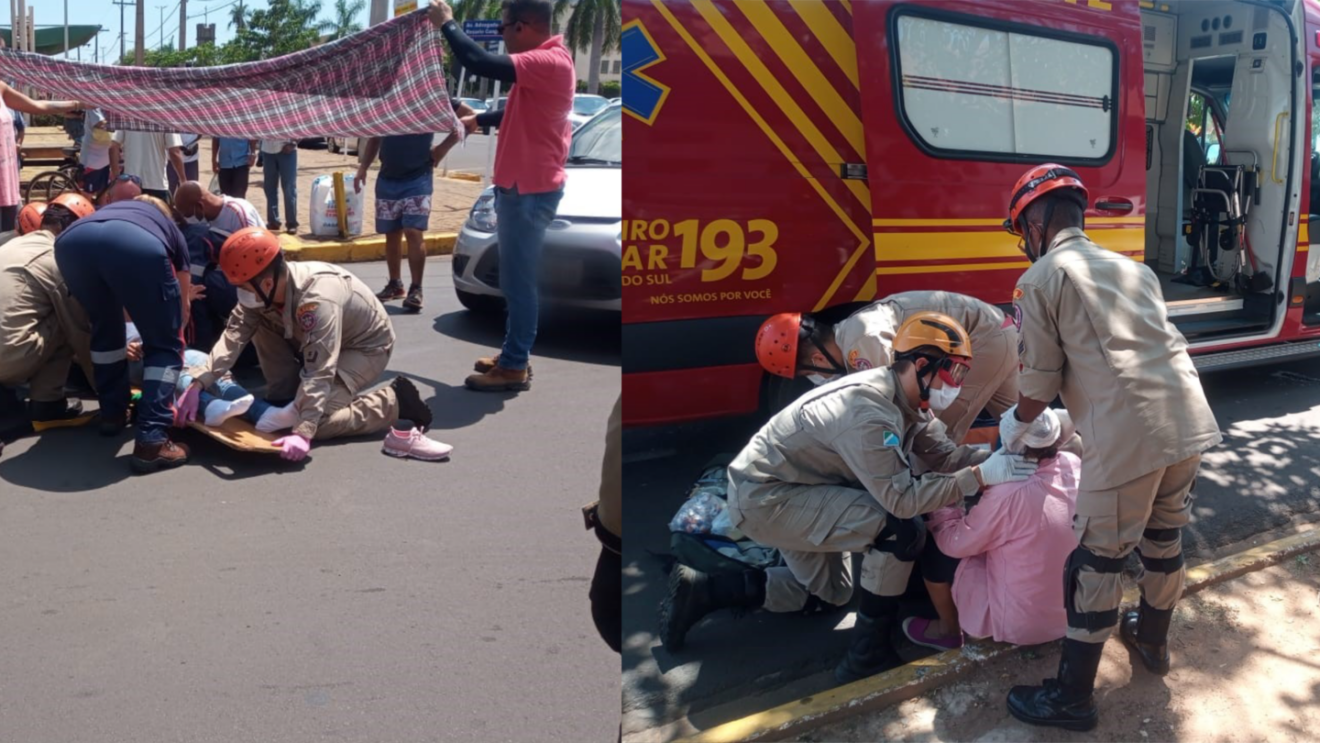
[413, 443]
[917, 628]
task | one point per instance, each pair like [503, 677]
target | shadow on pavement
[454, 406]
[47, 465]
[588, 338]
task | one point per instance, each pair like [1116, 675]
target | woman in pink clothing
[12, 99]
[1011, 548]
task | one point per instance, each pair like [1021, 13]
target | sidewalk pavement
[1244, 668]
[1236, 641]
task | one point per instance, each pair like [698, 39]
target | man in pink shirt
[529, 164]
[1011, 547]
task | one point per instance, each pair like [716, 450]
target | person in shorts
[403, 202]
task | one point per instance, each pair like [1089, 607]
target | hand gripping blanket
[388, 79]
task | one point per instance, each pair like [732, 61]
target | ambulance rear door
[961, 96]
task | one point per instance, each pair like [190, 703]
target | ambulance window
[993, 91]
[1315, 111]
[1203, 125]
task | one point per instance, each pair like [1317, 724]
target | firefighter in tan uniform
[1095, 331]
[833, 474]
[865, 340]
[321, 335]
[42, 328]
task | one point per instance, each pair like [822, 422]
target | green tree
[594, 26]
[345, 22]
[238, 15]
[475, 10]
[284, 27]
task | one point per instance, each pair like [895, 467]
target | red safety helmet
[777, 344]
[29, 217]
[1037, 182]
[77, 203]
[247, 253]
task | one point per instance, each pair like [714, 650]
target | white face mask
[248, 299]
[819, 379]
[943, 397]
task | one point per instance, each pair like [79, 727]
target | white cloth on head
[1044, 431]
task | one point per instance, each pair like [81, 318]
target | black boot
[1146, 632]
[870, 651]
[694, 594]
[1066, 702]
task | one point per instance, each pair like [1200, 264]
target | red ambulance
[798, 155]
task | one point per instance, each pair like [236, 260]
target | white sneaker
[413, 443]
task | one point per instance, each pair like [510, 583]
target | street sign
[482, 30]
[404, 6]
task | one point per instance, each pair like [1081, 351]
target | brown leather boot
[149, 458]
[486, 363]
[499, 379]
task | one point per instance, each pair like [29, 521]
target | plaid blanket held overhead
[388, 79]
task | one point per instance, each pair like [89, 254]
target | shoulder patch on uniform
[857, 362]
[1017, 293]
[890, 439]
[306, 316]
[1017, 317]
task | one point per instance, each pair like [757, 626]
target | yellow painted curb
[358, 249]
[918, 677]
[474, 177]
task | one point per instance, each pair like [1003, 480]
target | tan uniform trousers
[345, 414]
[992, 384]
[45, 375]
[1111, 523]
[816, 529]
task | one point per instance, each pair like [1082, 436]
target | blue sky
[106, 14]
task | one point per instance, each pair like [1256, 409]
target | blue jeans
[226, 388]
[521, 221]
[114, 266]
[281, 170]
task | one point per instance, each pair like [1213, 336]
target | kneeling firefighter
[321, 336]
[833, 474]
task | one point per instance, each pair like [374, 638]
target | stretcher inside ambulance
[798, 156]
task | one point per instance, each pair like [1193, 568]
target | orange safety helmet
[1037, 182]
[29, 217]
[77, 203]
[933, 329]
[247, 253]
[777, 343]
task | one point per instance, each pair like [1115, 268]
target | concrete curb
[473, 177]
[358, 249]
[918, 677]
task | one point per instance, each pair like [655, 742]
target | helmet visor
[953, 370]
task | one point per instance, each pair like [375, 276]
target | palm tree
[593, 25]
[473, 10]
[238, 16]
[345, 21]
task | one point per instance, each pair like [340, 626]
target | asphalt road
[1265, 474]
[352, 598]
[470, 156]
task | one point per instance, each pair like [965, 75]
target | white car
[580, 265]
[585, 107]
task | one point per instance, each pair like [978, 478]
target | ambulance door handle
[1112, 204]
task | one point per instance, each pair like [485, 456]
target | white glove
[1011, 430]
[1003, 467]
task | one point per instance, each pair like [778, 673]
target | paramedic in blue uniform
[132, 256]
